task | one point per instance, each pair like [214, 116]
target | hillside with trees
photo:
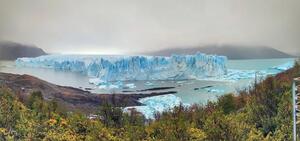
[262, 113]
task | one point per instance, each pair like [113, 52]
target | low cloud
[127, 26]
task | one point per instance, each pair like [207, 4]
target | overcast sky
[127, 26]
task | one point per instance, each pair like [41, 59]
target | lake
[190, 91]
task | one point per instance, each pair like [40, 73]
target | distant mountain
[231, 51]
[12, 51]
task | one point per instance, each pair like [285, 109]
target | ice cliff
[121, 68]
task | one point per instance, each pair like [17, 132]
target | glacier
[234, 75]
[260, 74]
[103, 69]
[156, 104]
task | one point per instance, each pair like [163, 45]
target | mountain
[12, 50]
[231, 51]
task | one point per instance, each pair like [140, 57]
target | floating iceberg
[148, 83]
[130, 85]
[156, 104]
[106, 85]
[95, 81]
[122, 68]
[214, 90]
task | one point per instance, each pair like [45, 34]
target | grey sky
[126, 26]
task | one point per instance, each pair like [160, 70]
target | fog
[130, 26]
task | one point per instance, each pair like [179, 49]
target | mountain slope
[12, 51]
[232, 52]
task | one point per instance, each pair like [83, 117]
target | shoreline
[71, 98]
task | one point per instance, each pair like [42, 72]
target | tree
[227, 103]
[111, 116]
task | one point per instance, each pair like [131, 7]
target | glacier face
[122, 68]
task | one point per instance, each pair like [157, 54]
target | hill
[12, 50]
[231, 51]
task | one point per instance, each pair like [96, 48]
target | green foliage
[260, 114]
[9, 112]
[111, 116]
[227, 103]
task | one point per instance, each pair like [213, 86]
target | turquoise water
[190, 91]
[256, 64]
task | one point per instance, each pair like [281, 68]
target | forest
[262, 112]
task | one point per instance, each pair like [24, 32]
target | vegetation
[263, 113]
